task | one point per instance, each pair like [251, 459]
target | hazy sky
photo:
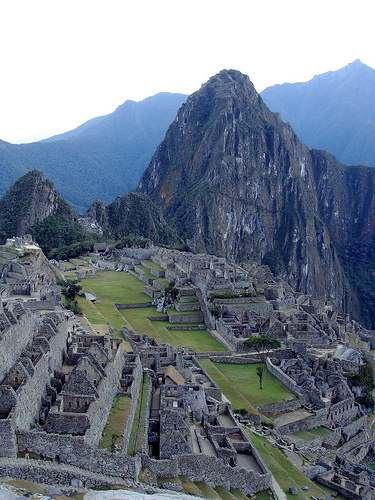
[64, 62]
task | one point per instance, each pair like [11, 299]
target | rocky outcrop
[132, 214]
[30, 200]
[235, 180]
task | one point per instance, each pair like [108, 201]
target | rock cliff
[30, 200]
[234, 180]
[132, 214]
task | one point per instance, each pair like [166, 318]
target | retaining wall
[137, 374]
[279, 407]
[284, 379]
[211, 469]
[75, 451]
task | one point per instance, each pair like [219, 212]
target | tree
[262, 345]
[70, 288]
[260, 375]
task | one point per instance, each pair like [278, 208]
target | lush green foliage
[262, 344]
[364, 379]
[70, 288]
[62, 238]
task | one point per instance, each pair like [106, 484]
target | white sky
[64, 62]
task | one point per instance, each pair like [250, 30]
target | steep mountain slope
[235, 180]
[133, 214]
[334, 111]
[101, 159]
[30, 200]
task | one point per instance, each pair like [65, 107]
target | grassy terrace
[240, 384]
[154, 265]
[313, 433]
[286, 474]
[138, 430]
[116, 422]
[110, 287]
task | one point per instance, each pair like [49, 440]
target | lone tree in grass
[262, 345]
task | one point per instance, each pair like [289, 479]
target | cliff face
[30, 200]
[235, 180]
[132, 214]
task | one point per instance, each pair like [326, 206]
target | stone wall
[23, 331]
[279, 407]
[29, 395]
[41, 472]
[132, 306]
[8, 445]
[210, 469]
[185, 318]
[75, 451]
[39, 304]
[108, 388]
[284, 379]
[155, 272]
[137, 374]
[326, 479]
[317, 420]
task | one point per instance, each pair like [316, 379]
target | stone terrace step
[46, 466]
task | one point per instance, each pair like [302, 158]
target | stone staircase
[50, 472]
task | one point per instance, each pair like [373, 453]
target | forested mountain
[103, 158]
[133, 214]
[30, 200]
[334, 111]
[234, 180]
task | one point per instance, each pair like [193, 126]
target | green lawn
[154, 265]
[138, 429]
[116, 422]
[242, 380]
[313, 433]
[286, 474]
[110, 287]
[199, 340]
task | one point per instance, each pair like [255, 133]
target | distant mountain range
[102, 158]
[334, 111]
[105, 157]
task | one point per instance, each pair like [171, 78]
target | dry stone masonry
[58, 381]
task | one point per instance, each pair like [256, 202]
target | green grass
[313, 433]
[199, 340]
[110, 287]
[225, 495]
[243, 380]
[189, 487]
[172, 480]
[154, 265]
[206, 490]
[232, 393]
[116, 422]
[136, 439]
[237, 493]
[116, 287]
[286, 474]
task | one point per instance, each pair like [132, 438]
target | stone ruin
[190, 430]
